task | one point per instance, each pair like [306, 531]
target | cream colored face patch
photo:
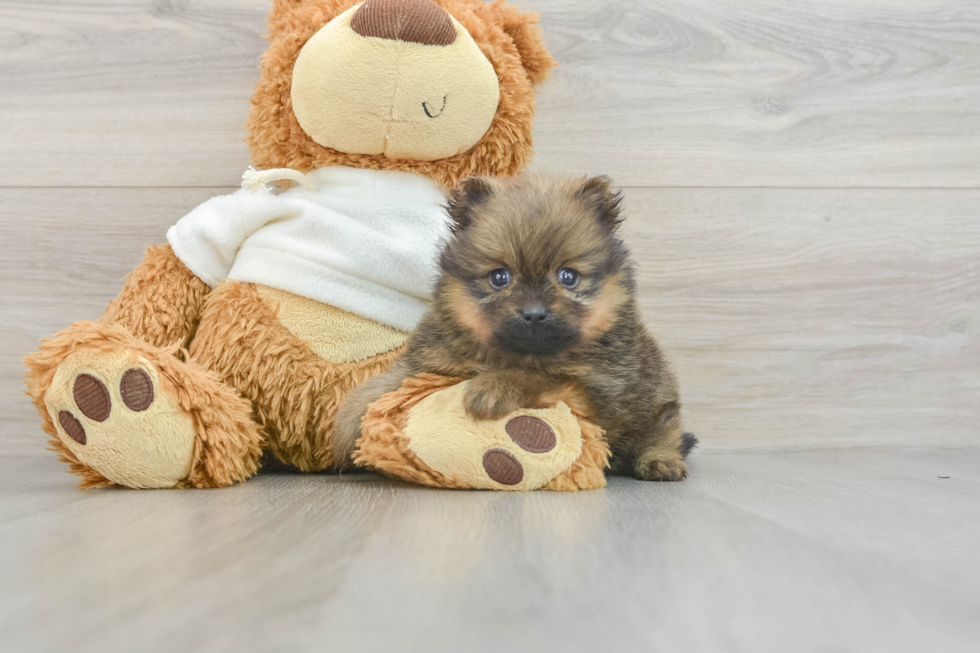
[523, 451]
[371, 95]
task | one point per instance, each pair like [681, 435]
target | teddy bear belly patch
[331, 333]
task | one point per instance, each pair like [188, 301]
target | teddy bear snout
[414, 21]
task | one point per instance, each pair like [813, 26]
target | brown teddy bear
[246, 331]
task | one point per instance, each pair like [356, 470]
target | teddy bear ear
[282, 18]
[279, 14]
[281, 7]
[606, 201]
[523, 28]
[469, 193]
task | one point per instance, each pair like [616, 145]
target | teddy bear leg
[422, 433]
[123, 412]
[295, 393]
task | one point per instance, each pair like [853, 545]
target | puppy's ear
[470, 193]
[601, 197]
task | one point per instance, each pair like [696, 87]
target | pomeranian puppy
[536, 303]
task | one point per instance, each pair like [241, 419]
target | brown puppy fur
[537, 302]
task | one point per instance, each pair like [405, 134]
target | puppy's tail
[688, 442]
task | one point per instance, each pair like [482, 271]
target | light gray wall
[802, 182]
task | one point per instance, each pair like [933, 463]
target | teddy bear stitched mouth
[425, 108]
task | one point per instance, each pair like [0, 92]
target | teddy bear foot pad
[111, 415]
[422, 433]
[123, 412]
[519, 452]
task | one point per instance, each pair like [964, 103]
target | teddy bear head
[444, 88]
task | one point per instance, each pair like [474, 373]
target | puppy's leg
[660, 453]
[492, 395]
[347, 424]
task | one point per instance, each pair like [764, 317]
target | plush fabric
[147, 448]
[294, 393]
[150, 448]
[421, 434]
[246, 333]
[402, 100]
[365, 241]
[334, 335]
[508, 38]
[413, 21]
[443, 437]
[161, 300]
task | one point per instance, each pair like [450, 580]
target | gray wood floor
[823, 551]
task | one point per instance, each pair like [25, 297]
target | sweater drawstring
[255, 180]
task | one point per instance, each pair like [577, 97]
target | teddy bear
[232, 345]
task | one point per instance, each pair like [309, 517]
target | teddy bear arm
[161, 301]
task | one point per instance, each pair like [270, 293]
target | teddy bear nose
[415, 21]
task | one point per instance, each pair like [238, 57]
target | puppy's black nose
[534, 314]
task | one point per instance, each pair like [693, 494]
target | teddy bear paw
[521, 451]
[110, 412]
[531, 434]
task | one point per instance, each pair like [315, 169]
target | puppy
[536, 303]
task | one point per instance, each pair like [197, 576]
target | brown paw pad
[72, 427]
[531, 434]
[92, 398]
[136, 389]
[503, 467]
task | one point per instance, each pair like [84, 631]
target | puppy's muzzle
[535, 315]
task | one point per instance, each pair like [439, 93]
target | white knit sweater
[365, 241]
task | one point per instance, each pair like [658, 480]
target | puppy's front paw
[485, 403]
[660, 470]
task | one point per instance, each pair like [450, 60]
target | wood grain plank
[701, 93]
[849, 93]
[63, 255]
[865, 550]
[123, 93]
[829, 318]
[795, 318]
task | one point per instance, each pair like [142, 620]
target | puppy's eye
[500, 278]
[568, 277]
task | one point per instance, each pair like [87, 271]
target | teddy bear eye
[568, 278]
[500, 278]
